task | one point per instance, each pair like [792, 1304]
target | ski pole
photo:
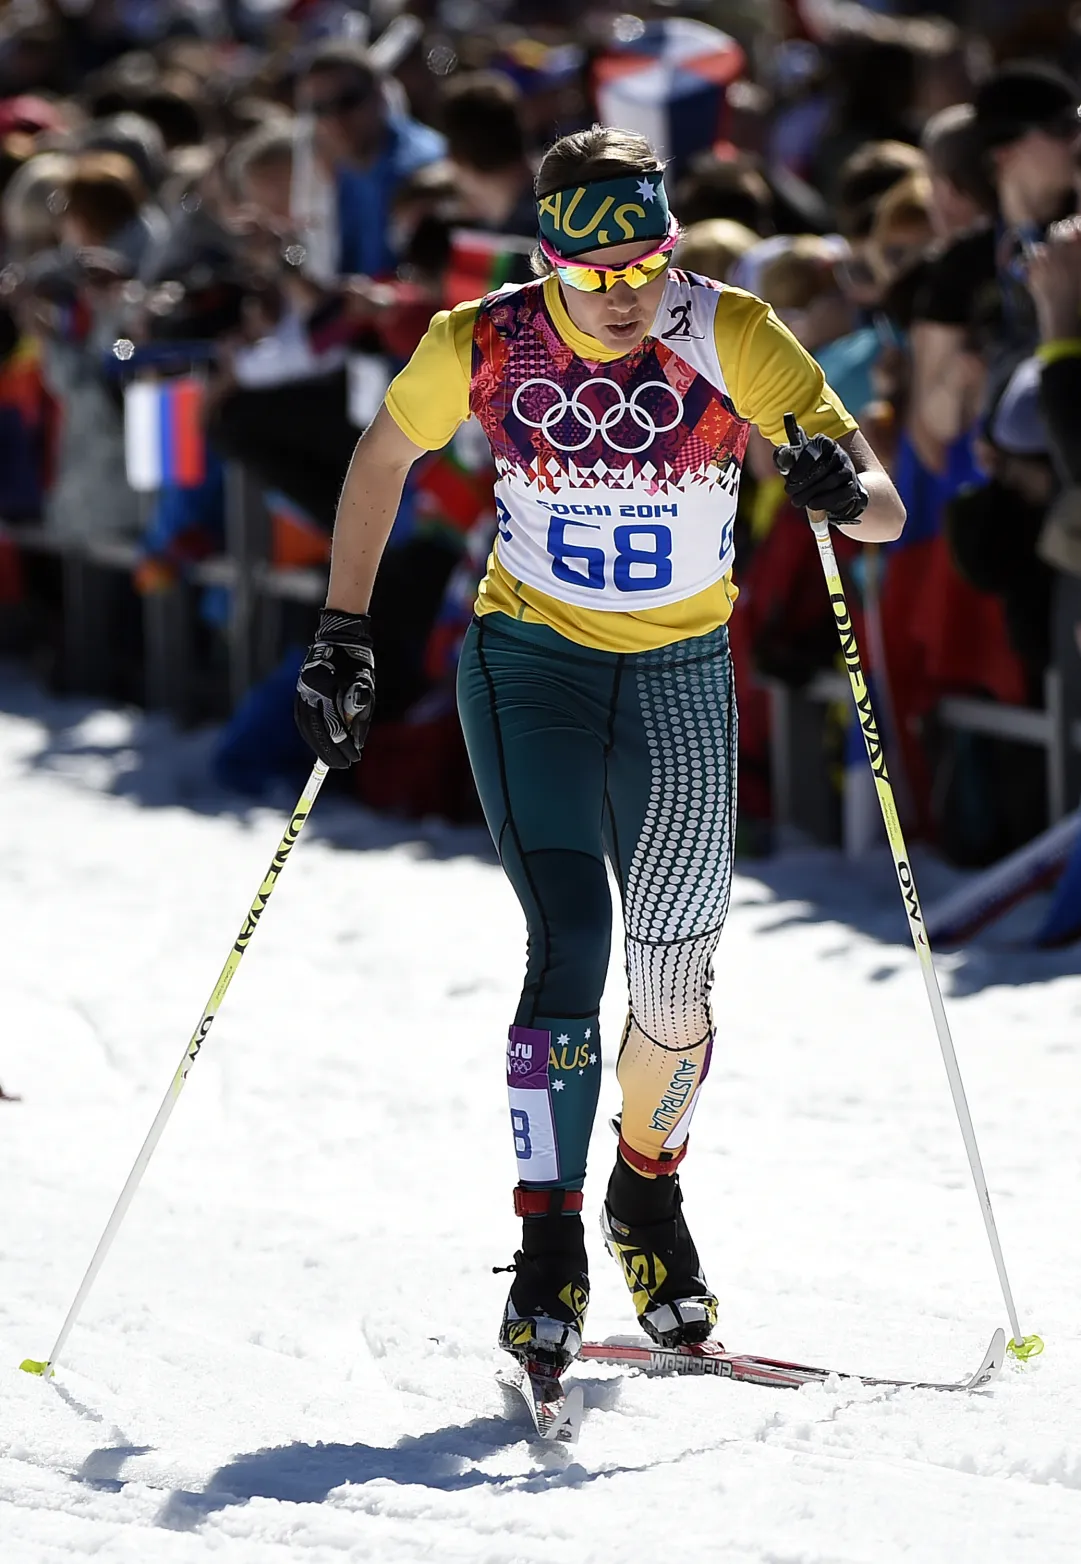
[1021, 1346]
[191, 1053]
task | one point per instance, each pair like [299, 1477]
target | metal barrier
[804, 800]
[257, 589]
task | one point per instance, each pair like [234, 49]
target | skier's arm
[425, 404]
[366, 511]
[772, 375]
[884, 517]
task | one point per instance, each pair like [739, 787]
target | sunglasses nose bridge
[632, 277]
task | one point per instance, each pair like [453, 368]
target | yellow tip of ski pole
[1027, 1347]
[32, 1366]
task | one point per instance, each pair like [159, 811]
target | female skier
[595, 685]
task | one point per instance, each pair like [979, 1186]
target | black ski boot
[545, 1314]
[645, 1230]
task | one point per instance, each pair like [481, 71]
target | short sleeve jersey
[617, 474]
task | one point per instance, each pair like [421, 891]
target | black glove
[819, 475]
[336, 688]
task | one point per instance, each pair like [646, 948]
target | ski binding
[554, 1409]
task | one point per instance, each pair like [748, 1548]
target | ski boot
[545, 1313]
[645, 1230]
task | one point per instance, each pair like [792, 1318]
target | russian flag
[164, 445]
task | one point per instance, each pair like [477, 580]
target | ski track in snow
[288, 1355]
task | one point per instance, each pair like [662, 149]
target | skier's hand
[336, 688]
[819, 475]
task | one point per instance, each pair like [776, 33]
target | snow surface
[288, 1354]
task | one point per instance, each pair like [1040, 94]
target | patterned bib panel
[617, 482]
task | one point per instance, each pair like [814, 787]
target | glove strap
[338, 628]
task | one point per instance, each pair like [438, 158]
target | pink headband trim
[561, 261]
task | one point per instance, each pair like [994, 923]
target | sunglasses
[601, 279]
[324, 108]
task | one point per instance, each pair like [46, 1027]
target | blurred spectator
[352, 156]
[134, 138]
[733, 187]
[1054, 278]
[102, 206]
[876, 83]
[27, 420]
[803, 283]
[551, 78]
[901, 230]
[356, 150]
[259, 170]
[32, 203]
[173, 106]
[486, 147]
[713, 246]
[962, 192]
[75, 315]
[866, 176]
[32, 55]
[28, 116]
[1026, 115]
[1054, 275]
[947, 63]
[116, 88]
[862, 181]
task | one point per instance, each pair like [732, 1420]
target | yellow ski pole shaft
[191, 1053]
[1020, 1346]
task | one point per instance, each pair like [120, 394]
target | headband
[607, 211]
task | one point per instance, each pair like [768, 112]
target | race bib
[612, 551]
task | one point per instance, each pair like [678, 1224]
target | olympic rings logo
[624, 407]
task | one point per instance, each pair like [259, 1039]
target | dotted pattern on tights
[680, 879]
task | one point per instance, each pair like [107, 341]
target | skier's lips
[624, 328]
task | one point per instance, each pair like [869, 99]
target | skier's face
[620, 318]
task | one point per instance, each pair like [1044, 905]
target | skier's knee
[669, 989]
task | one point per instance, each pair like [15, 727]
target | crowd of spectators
[270, 198]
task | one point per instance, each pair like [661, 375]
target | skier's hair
[601, 152]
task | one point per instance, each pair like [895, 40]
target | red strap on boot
[538, 1202]
[659, 1169]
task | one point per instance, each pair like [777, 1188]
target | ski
[554, 1409]
[711, 1358]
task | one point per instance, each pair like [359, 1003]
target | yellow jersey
[617, 474]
